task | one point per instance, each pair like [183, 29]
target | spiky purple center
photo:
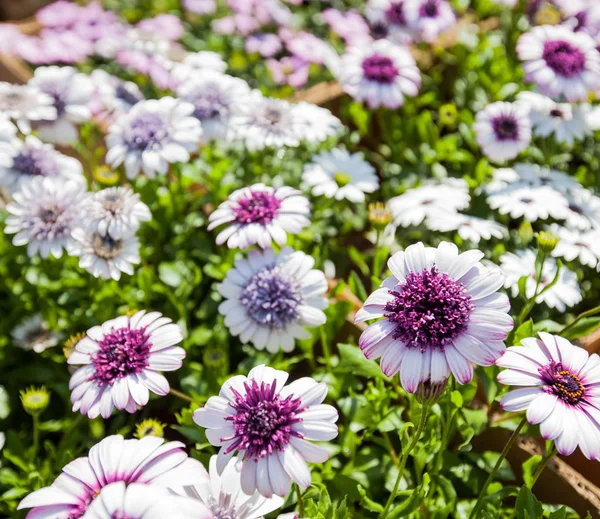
[35, 162]
[429, 309]
[563, 383]
[257, 207]
[505, 127]
[379, 68]
[395, 13]
[208, 104]
[271, 298]
[122, 352]
[430, 9]
[147, 131]
[263, 420]
[563, 58]
[52, 221]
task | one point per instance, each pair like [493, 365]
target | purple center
[58, 96]
[52, 221]
[505, 127]
[563, 58]
[430, 9]
[122, 352]
[395, 13]
[582, 21]
[257, 207]
[271, 299]
[380, 69]
[208, 105]
[429, 309]
[35, 162]
[127, 94]
[148, 130]
[263, 420]
[561, 382]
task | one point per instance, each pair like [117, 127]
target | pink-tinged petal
[155, 382]
[248, 476]
[263, 481]
[278, 477]
[552, 426]
[416, 257]
[190, 472]
[519, 399]
[392, 356]
[397, 266]
[549, 346]
[474, 350]
[375, 333]
[295, 466]
[589, 436]
[48, 496]
[379, 349]
[517, 358]
[410, 369]
[217, 437]
[208, 418]
[459, 365]
[574, 357]
[440, 370]
[120, 393]
[309, 451]
[464, 263]
[540, 407]
[512, 377]
[568, 440]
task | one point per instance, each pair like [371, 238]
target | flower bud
[379, 215]
[35, 400]
[547, 241]
[429, 393]
[149, 427]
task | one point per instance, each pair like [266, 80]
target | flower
[121, 360]
[560, 62]
[427, 19]
[564, 293]
[33, 158]
[391, 15]
[35, 400]
[265, 44]
[270, 425]
[216, 98]
[530, 202]
[43, 214]
[339, 174]
[33, 333]
[113, 96]
[468, 227]
[116, 212]
[224, 496]
[573, 244]
[149, 461]
[270, 297]
[531, 175]
[200, 6]
[260, 214]
[195, 64]
[442, 312]
[557, 386]
[381, 73]
[151, 135]
[584, 209]
[167, 26]
[349, 25]
[8, 137]
[503, 130]
[24, 104]
[289, 70]
[149, 427]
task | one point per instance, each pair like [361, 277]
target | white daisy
[468, 227]
[535, 175]
[584, 209]
[339, 174]
[25, 104]
[33, 333]
[531, 203]
[314, 123]
[427, 19]
[573, 244]
[8, 135]
[114, 96]
[195, 64]
[270, 298]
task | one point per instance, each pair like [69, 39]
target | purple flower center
[148, 130]
[429, 309]
[122, 352]
[582, 21]
[263, 420]
[208, 104]
[505, 127]
[395, 13]
[380, 69]
[52, 221]
[430, 9]
[257, 207]
[271, 298]
[58, 96]
[563, 58]
[561, 382]
[379, 30]
[35, 162]
[127, 94]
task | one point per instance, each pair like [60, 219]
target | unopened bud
[35, 400]
[547, 241]
[429, 393]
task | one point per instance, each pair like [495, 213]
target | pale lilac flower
[239, 23]
[558, 388]
[94, 22]
[349, 25]
[113, 96]
[153, 134]
[200, 6]
[265, 44]
[167, 26]
[270, 298]
[390, 15]
[149, 461]
[468, 227]
[427, 19]
[309, 48]
[52, 46]
[574, 244]
[33, 333]
[25, 104]
[503, 130]
[59, 14]
[442, 312]
[11, 39]
[560, 62]
[259, 215]
[289, 70]
[531, 203]
[586, 20]
[121, 363]
[270, 425]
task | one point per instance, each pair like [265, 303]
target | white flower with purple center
[271, 426]
[390, 16]
[149, 461]
[531, 203]
[441, 312]
[270, 298]
[427, 19]
[584, 209]
[153, 134]
[122, 359]
[557, 384]
[113, 96]
[25, 104]
[468, 227]
[379, 73]
[560, 62]
[259, 215]
[503, 130]
[43, 214]
[314, 123]
[33, 158]
[33, 333]
[574, 244]
[531, 175]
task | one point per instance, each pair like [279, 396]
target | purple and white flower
[427, 19]
[391, 15]
[270, 298]
[33, 333]
[121, 363]
[531, 203]
[557, 384]
[584, 209]
[113, 96]
[441, 312]
[25, 104]
[574, 244]
[259, 215]
[271, 426]
[468, 227]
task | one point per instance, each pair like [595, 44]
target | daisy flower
[565, 293]
[468, 227]
[25, 104]
[503, 130]
[339, 174]
[33, 158]
[557, 387]
[259, 214]
[535, 175]
[151, 135]
[315, 124]
[43, 214]
[560, 62]
[270, 298]
[8, 137]
[442, 312]
[194, 64]
[270, 425]
[121, 360]
[33, 333]
[116, 212]
[427, 19]
[391, 15]
[532, 203]
[224, 496]
[573, 244]
[380, 73]
[149, 461]
[584, 209]
[113, 96]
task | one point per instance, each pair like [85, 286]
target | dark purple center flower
[58, 96]
[429, 309]
[258, 207]
[380, 69]
[557, 112]
[148, 130]
[379, 30]
[263, 420]
[122, 352]
[52, 221]
[582, 21]
[271, 298]
[395, 13]
[561, 382]
[506, 128]
[430, 9]
[208, 105]
[35, 162]
[562, 57]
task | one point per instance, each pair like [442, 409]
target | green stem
[583, 315]
[300, 502]
[540, 468]
[36, 436]
[492, 475]
[531, 303]
[405, 453]
[183, 396]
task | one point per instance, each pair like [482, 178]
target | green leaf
[529, 468]
[354, 361]
[523, 332]
[357, 287]
[527, 505]
[561, 513]
[360, 117]
[583, 327]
